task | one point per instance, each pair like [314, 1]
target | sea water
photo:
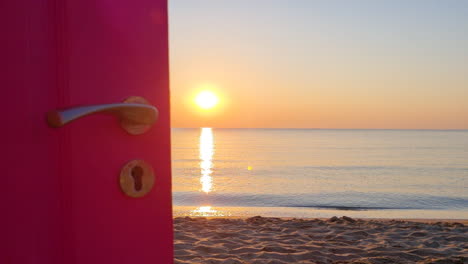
[320, 173]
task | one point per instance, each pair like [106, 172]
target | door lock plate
[136, 178]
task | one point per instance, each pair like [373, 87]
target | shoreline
[311, 213]
[249, 240]
[417, 220]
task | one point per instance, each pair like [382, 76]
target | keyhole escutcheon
[136, 178]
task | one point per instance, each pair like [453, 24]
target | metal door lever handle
[135, 113]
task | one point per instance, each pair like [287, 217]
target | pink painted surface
[61, 201]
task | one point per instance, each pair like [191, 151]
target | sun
[206, 100]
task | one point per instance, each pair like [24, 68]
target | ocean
[312, 173]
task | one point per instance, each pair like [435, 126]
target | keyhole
[137, 174]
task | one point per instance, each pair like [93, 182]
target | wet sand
[335, 240]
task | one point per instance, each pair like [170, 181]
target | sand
[334, 240]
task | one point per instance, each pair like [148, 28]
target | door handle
[136, 115]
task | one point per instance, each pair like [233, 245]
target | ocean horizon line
[298, 128]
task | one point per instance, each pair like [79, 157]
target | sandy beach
[335, 240]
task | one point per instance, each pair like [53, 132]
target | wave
[337, 201]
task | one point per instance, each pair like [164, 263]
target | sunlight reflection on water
[207, 211]
[206, 159]
[206, 168]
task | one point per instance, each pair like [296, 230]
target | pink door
[63, 193]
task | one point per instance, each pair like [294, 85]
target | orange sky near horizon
[320, 65]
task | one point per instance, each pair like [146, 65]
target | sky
[320, 63]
